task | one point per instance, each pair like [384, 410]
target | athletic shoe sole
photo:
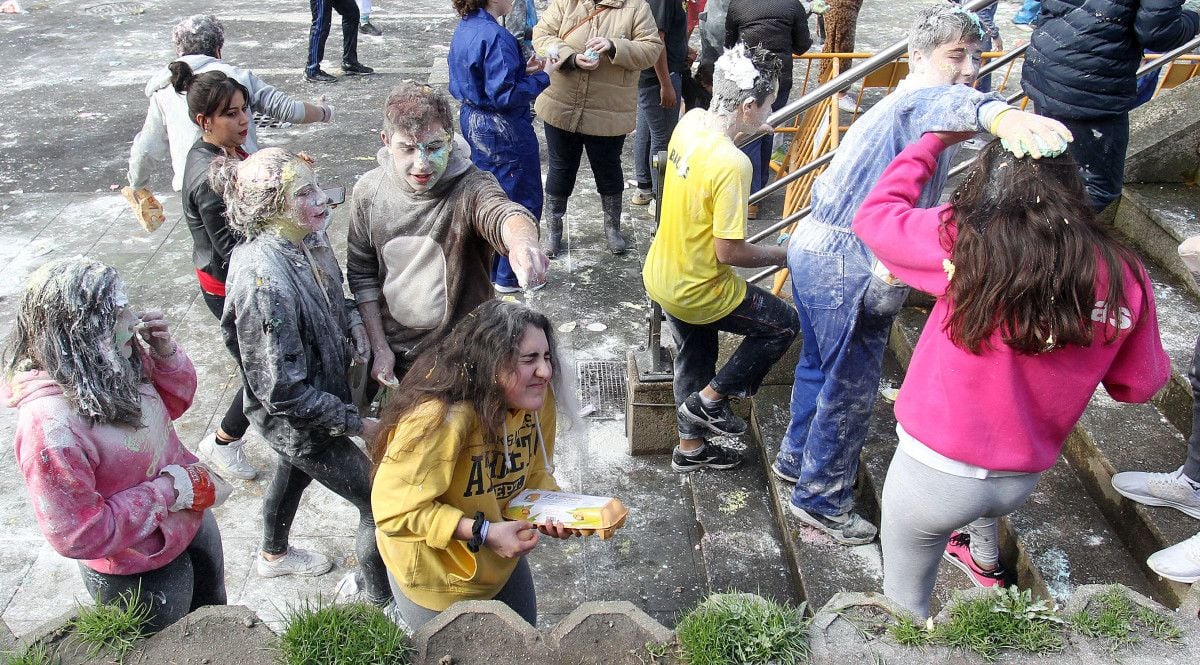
[1175, 578]
[271, 572]
[961, 565]
[705, 465]
[704, 422]
[1190, 511]
[803, 516]
[783, 476]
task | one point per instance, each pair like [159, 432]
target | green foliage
[36, 654]
[342, 634]
[1116, 619]
[114, 627]
[740, 629]
[1006, 619]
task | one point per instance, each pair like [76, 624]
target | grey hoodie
[425, 257]
[169, 130]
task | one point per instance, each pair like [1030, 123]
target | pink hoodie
[96, 489]
[999, 410]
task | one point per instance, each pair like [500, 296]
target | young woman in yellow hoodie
[472, 425]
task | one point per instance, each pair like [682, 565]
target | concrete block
[852, 627]
[607, 633]
[649, 413]
[1164, 137]
[480, 632]
[215, 634]
[1147, 649]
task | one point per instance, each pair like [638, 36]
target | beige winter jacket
[602, 102]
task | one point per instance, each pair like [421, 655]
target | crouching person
[294, 335]
[701, 238]
[112, 485]
[472, 426]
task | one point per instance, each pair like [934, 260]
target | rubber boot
[556, 207]
[612, 222]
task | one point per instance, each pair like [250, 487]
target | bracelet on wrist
[476, 540]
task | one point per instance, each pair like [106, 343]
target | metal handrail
[792, 176]
[1157, 62]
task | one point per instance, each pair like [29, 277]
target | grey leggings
[517, 593]
[921, 507]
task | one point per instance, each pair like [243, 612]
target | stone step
[825, 568]
[1179, 324]
[1061, 537]
[1156, 218]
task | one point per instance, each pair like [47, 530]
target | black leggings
[565, 150]
[193, 579]
[235, 422]
[346, 471]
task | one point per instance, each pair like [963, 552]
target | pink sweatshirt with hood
[96, 489]
[999, 410]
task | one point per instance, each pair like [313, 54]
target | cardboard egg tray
[582, 514]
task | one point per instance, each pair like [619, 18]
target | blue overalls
[488, 76]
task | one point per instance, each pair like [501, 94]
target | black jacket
[1084, 55]
[780, 26]
[204, 211]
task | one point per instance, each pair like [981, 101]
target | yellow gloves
[146, 208]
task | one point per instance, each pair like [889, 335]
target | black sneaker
[719, 420]
[319, 76]
[710, 456]
[368, 29]
[356, 68]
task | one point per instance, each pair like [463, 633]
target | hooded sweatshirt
[287, 323]
[425, 257]
[428, 481]
[169, 130]
[96, 489]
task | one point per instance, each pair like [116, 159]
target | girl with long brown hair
[472, 425]
[1037, 305]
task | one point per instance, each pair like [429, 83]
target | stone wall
[851, 627]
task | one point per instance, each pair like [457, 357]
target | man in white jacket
[169, 132]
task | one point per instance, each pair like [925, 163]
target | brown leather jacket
[602, 102]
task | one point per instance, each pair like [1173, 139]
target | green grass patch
[36, 654]
[342, 634]
[114, 627]
[741, 629]
[1006, 619]
[1113, 617]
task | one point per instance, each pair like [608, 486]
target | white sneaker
[229, 459]
[847, 104]
[295, 562]
[1179, 562]
[1160, 489]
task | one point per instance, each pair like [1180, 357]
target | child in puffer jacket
[110, 482]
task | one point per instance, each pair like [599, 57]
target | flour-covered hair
[742, 73]
[201, 34]
[944, 24]
[412, 106]
[64, 327]
[255, 190]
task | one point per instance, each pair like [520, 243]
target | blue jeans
[759, 151]
[845, 316]
[653, 133]
[1099, 148]
[769, 326]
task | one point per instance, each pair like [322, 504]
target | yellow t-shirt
[428, 481]
[704, 197]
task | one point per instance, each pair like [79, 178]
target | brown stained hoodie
[425, 257]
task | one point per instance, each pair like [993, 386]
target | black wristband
[476, 540]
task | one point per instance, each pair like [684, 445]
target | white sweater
[170, 132]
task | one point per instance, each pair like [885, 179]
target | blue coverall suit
[488, 76]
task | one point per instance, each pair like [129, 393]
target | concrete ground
[72, 90]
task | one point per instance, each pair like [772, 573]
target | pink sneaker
[958, 553]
